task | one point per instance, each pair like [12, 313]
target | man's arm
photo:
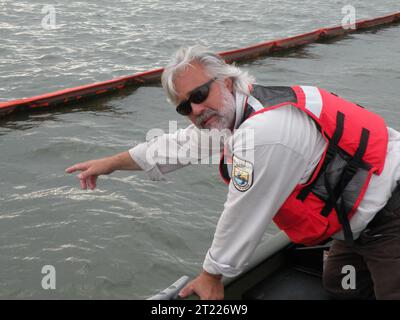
[91, 169]
[156, 157]
[172, 151]
[246, 216]
[248, 213]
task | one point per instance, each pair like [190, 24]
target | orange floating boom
[85, 92]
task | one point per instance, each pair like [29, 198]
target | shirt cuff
[139, 155]
[213, 267]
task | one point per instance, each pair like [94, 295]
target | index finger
[79, 166]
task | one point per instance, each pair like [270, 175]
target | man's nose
[198, 108]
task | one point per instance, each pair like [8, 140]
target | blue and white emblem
[242, 174]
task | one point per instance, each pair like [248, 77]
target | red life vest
[356, 149]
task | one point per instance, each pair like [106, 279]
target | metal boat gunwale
[275, 261]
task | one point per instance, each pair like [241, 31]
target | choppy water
[133, 236]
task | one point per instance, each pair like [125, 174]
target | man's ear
[229, 84]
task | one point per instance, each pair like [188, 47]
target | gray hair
[214, 65]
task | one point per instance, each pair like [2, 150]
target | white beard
[225, 116]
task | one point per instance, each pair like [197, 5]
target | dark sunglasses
[197, 95]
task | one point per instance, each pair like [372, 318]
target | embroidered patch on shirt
[242, 174]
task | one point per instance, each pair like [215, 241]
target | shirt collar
[240, 100]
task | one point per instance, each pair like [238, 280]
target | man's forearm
[123, 161]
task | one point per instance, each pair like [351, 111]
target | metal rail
[264, 251]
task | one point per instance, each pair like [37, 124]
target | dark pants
[375, 257]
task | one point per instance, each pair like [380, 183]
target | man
[316, 164]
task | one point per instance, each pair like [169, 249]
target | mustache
[204, 116]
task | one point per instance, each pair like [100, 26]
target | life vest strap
[331, 151]
[335, 193]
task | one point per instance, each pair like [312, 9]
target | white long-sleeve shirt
[286, 148]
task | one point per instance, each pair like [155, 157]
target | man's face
[217, 111]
